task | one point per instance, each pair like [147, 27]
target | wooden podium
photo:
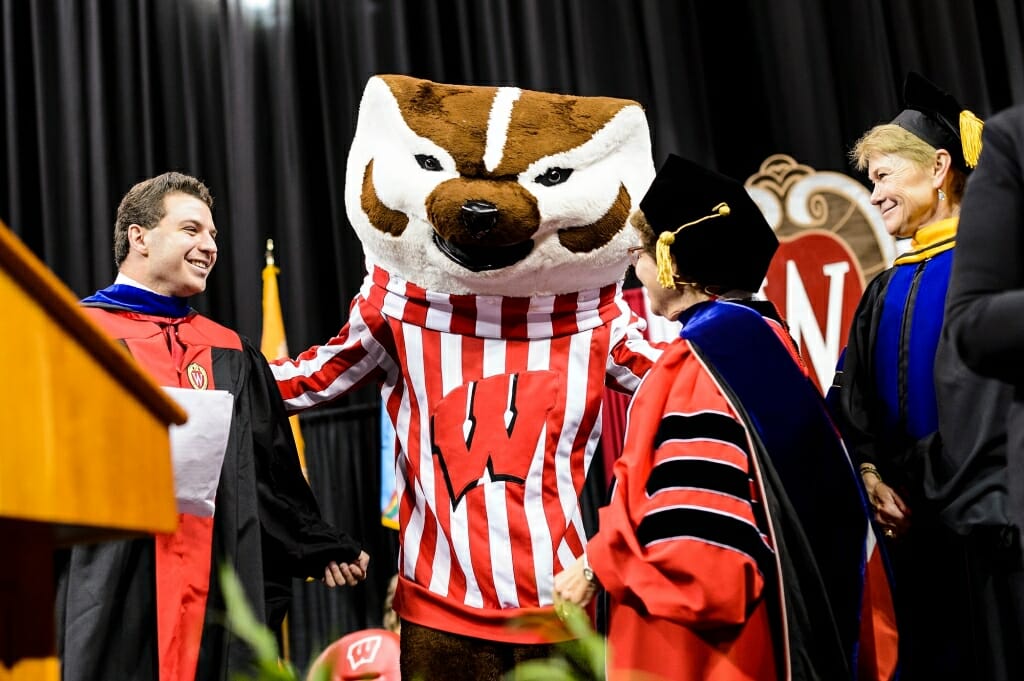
[85, 455]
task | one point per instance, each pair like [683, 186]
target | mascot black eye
[553, 176]
[428, 162]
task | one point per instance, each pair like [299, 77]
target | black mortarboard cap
[728, 249]
[936, 117]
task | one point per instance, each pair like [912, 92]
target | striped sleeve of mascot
[495, 226]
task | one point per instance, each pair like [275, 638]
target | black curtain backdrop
[344, 472]
[259, 99]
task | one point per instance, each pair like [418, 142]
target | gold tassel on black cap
[970, 137]
[665, 241]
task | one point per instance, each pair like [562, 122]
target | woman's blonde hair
[889, 138]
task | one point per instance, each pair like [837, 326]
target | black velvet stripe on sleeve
[714, 476]
[706, 525]
[702, 426]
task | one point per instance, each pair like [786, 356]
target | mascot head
[496, 190]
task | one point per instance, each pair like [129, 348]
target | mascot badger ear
[496, 190]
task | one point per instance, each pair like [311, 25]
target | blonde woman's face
[905, 193]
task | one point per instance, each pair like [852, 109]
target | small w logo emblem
[363, 651]
[197, 376]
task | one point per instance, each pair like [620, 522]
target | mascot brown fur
[495, 226]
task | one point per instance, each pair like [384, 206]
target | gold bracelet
[866, 469]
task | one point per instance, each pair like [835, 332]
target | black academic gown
[821, 518]
[902, 396]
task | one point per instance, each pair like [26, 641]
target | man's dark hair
[144, 205]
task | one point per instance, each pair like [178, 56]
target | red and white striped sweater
[496, 403]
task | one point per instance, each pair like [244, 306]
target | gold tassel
[664, 258]
[970, 136]
[661, 251]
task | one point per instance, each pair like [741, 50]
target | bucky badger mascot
[494, 223]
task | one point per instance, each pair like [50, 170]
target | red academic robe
[701, 550]
[144, 609]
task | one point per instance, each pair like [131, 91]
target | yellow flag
[273, 343]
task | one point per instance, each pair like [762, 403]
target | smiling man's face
[181, 249]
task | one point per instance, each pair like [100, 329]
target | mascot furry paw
[495, 226]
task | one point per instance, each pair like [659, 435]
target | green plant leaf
[550, 669]
[322, 672]
[577, 659]
[242, 623]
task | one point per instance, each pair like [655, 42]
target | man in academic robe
[152, 608]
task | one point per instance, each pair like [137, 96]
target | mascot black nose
[479, 217]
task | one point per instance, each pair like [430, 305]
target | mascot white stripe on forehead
[496, 191]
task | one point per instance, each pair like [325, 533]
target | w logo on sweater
[490, 430]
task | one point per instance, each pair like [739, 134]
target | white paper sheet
[198, 446]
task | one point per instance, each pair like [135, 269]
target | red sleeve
[680, 535]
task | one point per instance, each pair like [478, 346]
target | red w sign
[492, 427]
[815, 282]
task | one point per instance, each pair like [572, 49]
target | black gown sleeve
[855, 401]
[296, 539]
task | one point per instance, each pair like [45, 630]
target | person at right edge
[917, 480]
[984, 330]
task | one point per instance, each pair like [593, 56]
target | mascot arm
[632, 355]
[360, 354]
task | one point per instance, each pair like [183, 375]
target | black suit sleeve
[985, 303]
